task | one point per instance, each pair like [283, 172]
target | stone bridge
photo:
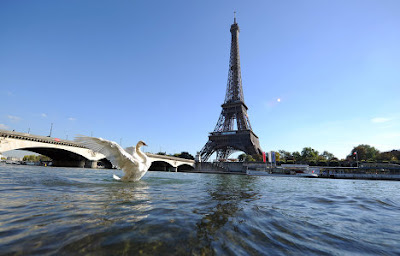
[65, 153]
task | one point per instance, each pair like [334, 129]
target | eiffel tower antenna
[233, 131]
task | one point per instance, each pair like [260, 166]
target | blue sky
[157, 71]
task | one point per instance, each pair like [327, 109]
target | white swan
[134, 164]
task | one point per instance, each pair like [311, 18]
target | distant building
[13, 158]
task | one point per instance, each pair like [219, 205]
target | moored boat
[280, 173]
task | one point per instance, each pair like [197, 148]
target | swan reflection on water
[128, 202]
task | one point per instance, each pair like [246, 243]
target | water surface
[63, 211]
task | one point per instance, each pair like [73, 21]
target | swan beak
[144, 144]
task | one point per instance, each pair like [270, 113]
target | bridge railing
[170, 158]
[37, 138]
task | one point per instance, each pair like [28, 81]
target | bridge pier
[90, 164]
[75, 163]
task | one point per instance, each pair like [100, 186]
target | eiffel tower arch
[233, 131]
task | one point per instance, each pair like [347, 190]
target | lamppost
[355, 153]
[51, 129]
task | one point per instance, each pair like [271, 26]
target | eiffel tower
[233, 131]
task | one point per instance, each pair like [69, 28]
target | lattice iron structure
[233, 130]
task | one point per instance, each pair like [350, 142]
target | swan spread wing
[132, 151]
[113, 152]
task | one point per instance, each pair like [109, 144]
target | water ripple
[66, 211]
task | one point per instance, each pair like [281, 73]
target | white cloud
[72, 119]
[43, 115]
[380, 120]
[13, 118]
[3, 126]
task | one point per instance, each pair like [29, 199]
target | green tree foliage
[309, 154]
[369, 153]
[241, 157]
[296, 156]
[36, 158]
[185, 155]
[285, 155]
[364, 152]
[249, 158]
[277, 156]
[328, 156]
[246, 158]
[258, 158]
[30, 158]
[392, 156]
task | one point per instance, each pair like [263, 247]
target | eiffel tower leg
[224, 153]
[221, 154]
[207, 151]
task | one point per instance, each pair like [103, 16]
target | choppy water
[63, 211]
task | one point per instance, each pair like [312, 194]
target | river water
[64, 211]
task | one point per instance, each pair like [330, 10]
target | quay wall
[373, 172]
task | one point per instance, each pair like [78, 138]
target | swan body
[132, 161]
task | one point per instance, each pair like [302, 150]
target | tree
[285, 155]
[393, 155]
[43, 158]
[245, 158]
[242, 157]
[36, 158]
[29, 158]
[328, 156]
[249, 158]
[296, 156]
[186, 155]
[277, 156]
[309, 154]
[364, 152]
[258, 158]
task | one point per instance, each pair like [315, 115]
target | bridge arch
[161, 166]
[185, 168]
[60, 157]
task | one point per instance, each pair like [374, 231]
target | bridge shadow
[166, 167]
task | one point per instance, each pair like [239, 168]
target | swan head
[141, 143]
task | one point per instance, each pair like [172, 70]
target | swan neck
[140, 153]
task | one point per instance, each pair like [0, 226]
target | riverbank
[364, 172]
